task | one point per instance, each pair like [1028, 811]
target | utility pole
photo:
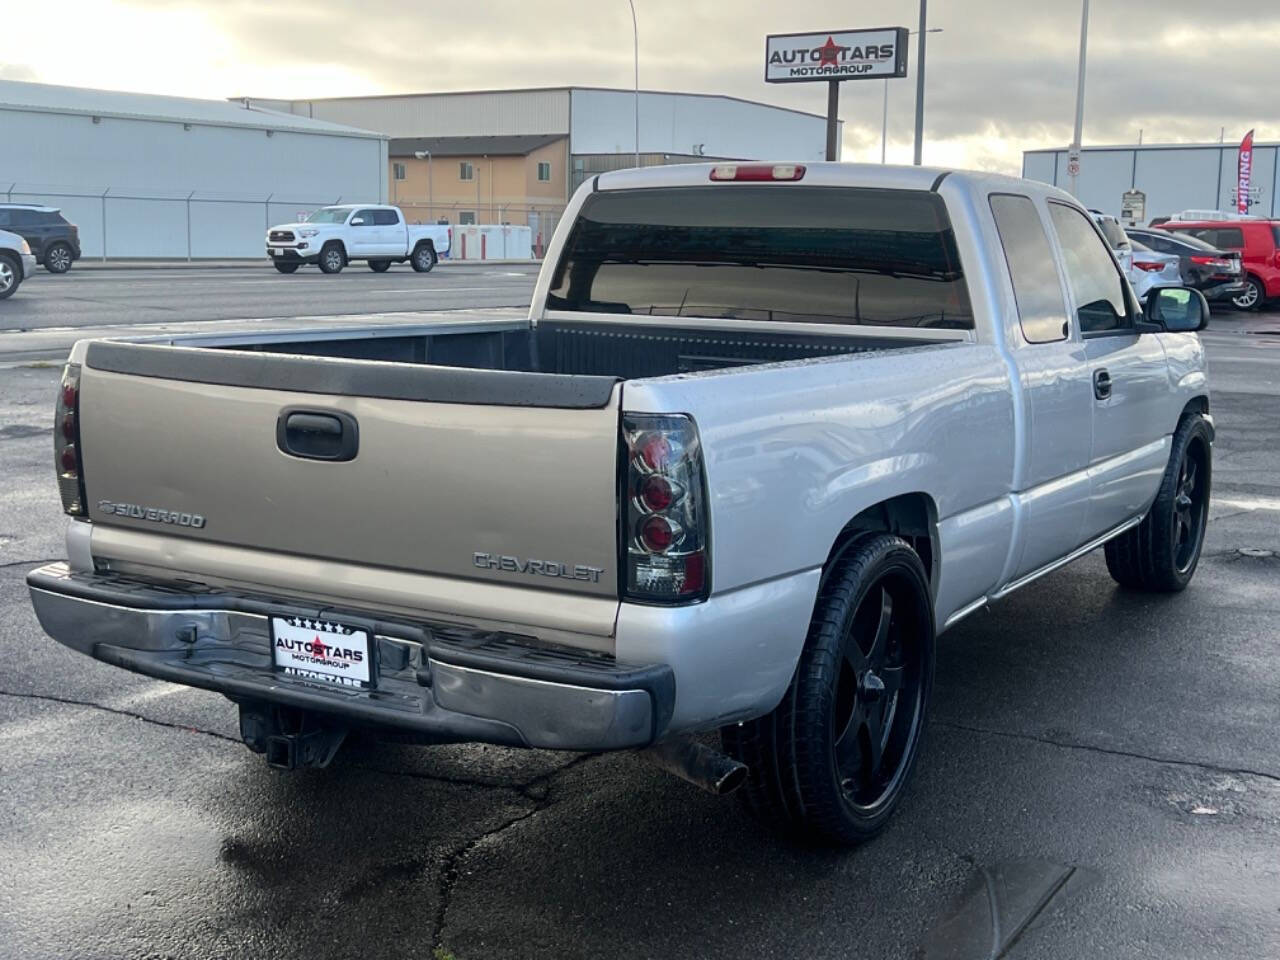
[920, 81]
[833, 106]
[635, 33]
[1073, 155]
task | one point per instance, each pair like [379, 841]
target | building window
[466, 217]
[397, 171]
[466, 171]
[544, 172]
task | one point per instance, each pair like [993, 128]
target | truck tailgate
[515, 487]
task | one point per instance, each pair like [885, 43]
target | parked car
[16, 263]
[1217, 274]
[1258, 242]
[766, 430]
[1145, 268]
[1149, 269]
[54, 241]
[334, 236]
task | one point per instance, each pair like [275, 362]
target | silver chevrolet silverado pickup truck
[767, 430]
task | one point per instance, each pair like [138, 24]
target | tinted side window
[385, 218]
[367, 216]
[1225, 238]
[1275, 234]
[1159, 243]
[1036, 289]
[4, 218]
[1091, 272]
[22, 218]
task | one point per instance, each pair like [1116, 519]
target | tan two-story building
[519, 179]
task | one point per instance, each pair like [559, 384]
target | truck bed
[621, 351]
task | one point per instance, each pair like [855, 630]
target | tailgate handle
[317, 434]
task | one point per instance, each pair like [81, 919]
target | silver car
[1145, 268]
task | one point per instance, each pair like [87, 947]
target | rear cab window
[843, 255]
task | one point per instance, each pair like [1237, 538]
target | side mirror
[357, 221]
[1177, 309]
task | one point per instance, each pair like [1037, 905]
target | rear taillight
[757, 172]
[1147, 266]
[664, 511]
[66, 442]
[1204, 260]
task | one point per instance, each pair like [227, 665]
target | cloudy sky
[1001, 75]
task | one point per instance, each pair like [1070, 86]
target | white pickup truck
[334, 236]
[766, 431]
[16, 263]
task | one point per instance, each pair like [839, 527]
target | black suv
[54, 241]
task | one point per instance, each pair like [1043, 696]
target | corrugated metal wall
[483, 114]
[1173, 178]
[604, 122]
[140, 188]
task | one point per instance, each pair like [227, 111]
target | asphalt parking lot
[1105, 764]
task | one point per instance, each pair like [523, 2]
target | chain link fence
[167, 224]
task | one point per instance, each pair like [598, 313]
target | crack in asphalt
[68, 701]
[1110, 751]
[451, 866]
[23, 563]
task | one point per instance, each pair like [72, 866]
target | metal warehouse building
[151, 176]
[516, 156]
[1174, 177]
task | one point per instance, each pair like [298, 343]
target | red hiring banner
[1244, 173]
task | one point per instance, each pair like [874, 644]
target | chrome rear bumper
[442, 682]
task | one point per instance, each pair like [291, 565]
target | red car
[1259, 244]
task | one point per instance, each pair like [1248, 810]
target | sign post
[835, 56]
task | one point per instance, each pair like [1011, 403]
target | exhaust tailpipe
[696, 763]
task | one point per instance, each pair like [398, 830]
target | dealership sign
[836, 55]
[1244, 173]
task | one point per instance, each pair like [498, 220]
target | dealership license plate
[321, 650]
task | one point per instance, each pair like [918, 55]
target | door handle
[1101, 384]
[317, 434]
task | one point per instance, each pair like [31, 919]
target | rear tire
[424, 258]
[285, 267]
[332, 258]
[379, 266]
[831, 762]
[1252, 297]
[57, 259]
[10, 276]
[1161, 553]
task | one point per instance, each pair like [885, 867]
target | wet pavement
[1101, 776]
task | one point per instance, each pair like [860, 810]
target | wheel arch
[424, 242]
[912, 516]
[1198, 406]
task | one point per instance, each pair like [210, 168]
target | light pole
[920, 81]
[1073, 154]
[635, 33]
[426, 155]
[884, 122]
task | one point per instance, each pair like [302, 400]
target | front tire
[1160, 554]
[1252, 296]
[379, 266]
[332, 258]
[831, 762]
[58, 258]
[10, 276]
[423, 259]
[285, 267]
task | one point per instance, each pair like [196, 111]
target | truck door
[1053, 372]
[391, 235]
[1128, 373]
[362, 234]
